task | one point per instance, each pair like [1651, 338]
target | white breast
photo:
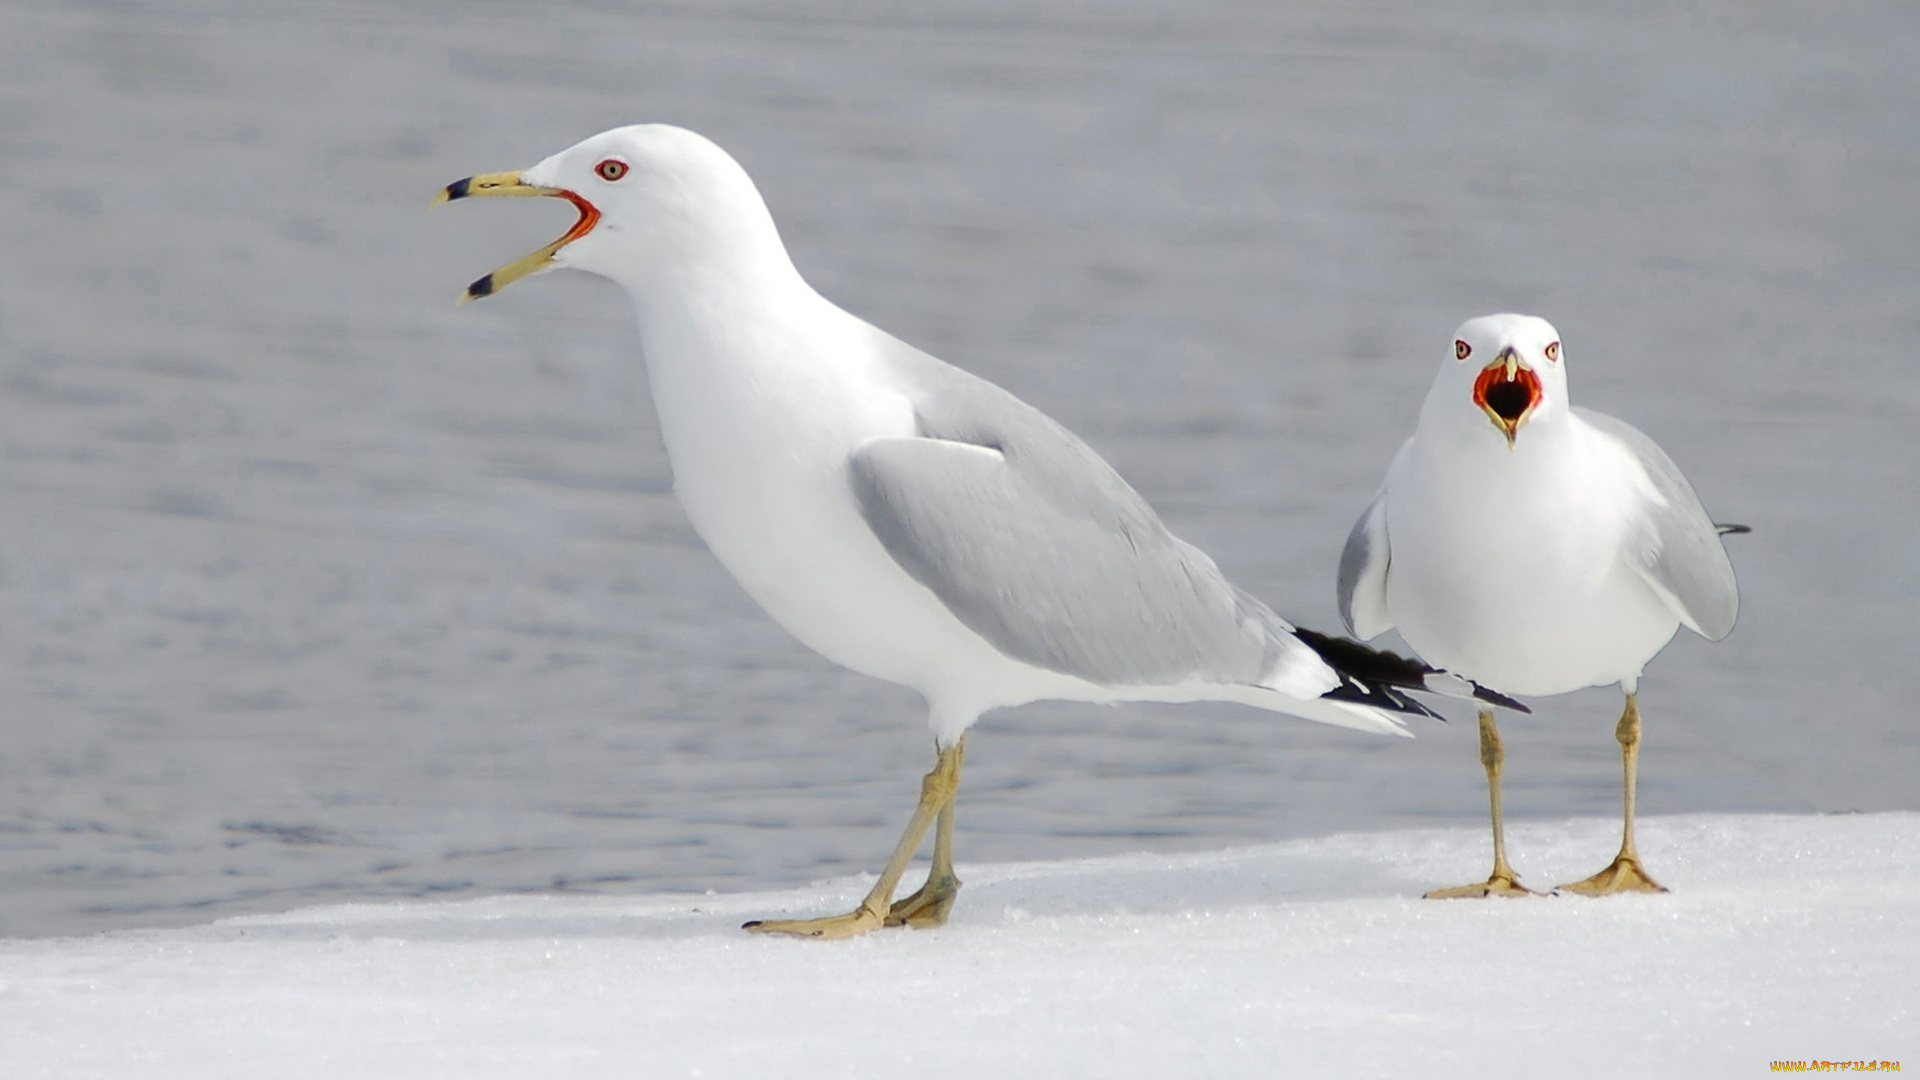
[1506, 564]
[759, 423]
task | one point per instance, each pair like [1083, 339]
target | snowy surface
[1784, 938]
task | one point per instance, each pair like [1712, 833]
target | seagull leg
[1624, 873]
[928, 907]
[1503, 881]
[936, 797]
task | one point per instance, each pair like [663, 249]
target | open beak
[509, 183]
[1507, 392]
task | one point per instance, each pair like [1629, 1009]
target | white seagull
[902, 517]
[1537, 547]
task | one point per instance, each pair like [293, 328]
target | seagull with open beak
[1537, 547]
[901, 517]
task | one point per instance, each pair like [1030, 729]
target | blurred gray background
[313, 587]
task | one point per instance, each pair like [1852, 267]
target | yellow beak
[509, 183]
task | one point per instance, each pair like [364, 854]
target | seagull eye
[611, 169]
[1553, 351]
[1462, 350]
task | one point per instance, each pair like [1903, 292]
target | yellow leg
[1503, 881]
[936, 799]
[929, 906]
[1624, 873]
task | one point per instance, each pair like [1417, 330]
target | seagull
[899, 516]
[1538, 547]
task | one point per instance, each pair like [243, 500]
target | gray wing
[1037, 545]
[1362, 589]
[1675, 545]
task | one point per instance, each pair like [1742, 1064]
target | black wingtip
[1369, 676]
[1732, 530]
[1495, 697]
[1372, 676]
[1381, 697]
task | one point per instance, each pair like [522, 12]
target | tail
[1378, 678]
[1326, 709]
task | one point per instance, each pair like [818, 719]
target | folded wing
[1673, 544]
[1037, 545]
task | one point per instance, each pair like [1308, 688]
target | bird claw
[1505, 885]
[1624, 874]
[859, 921]
[926, 908]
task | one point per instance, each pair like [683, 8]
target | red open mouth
[589, 217]
[1508, 393]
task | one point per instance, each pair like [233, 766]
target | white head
[1502, 374]
[651, 197]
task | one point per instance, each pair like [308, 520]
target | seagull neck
[712, 288]
[725, 268]
[707, 319]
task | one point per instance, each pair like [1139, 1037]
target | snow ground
[1786, 937]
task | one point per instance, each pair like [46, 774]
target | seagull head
[649, 196]
[1509, 367]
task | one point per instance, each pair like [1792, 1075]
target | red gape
[1508, 400]
[588, 217]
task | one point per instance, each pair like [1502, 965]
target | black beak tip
[458, 189]
[480, 288]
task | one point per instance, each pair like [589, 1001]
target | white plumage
[899, 516]
[1534, 546]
